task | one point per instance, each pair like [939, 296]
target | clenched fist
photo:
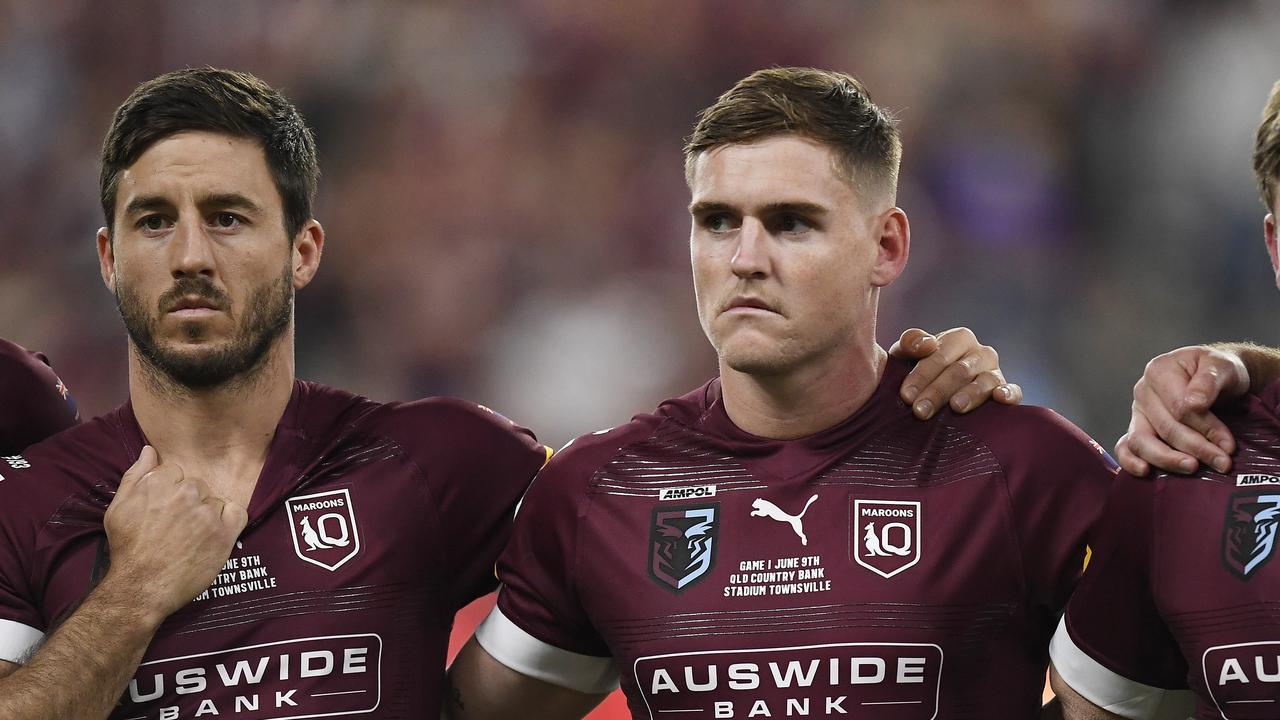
[168, 536]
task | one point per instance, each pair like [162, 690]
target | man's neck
[220, 435]
[806, 401]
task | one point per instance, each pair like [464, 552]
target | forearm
[83, 667]
[1262, 362]
[1073, 706]
[481, 688]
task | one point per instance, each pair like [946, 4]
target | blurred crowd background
[505, 206]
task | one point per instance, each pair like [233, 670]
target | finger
[949, 382]
[1151, 438]
[1180, 436]
[163, 473]
[973, 395]
[957, 342]
[1008, 394]
[1216, 432]
[147, 461]
[1163, 382]
[1131, 463]
[951, 347]
[1155, 452]
[1216, 436]
[1202, 389]
[234, 516]
[914, 343]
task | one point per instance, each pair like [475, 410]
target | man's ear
[308, 246]
[107, 259]
[893, 247]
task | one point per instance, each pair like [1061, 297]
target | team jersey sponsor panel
[895, 681]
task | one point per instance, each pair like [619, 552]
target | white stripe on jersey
[526, 654]
[17, 640]
[1113, 692]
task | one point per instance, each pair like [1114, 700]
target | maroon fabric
[1183, 569]
[34, 403]
[600, 564]
[370, 526]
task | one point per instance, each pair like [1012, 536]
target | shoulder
[15, 359]
[446, 421]
[573, 466]
[1033, 435]
[34, 483]
[87, 449]
[419, 424]
[34, 403]
[447, 437]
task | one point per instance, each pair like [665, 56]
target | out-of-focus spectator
[505, 203]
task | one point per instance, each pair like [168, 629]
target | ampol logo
[886, 535]
[324, 529]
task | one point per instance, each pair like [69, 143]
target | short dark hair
[828, 107]
[223, 101]
[1266, 149]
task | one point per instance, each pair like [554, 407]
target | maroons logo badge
[886, 535]
[1249, 534]
[682, 544]
[324, 528]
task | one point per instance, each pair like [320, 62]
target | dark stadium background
[504, 201]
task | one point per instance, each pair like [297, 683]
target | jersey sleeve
[34, 403]
[540, 627]
[22, 627]
[477, 465]
[1058, 479]
[1112, 647]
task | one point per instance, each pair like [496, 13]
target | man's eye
[152, 222]
[793, 224]
[226, 220]
[718, 223]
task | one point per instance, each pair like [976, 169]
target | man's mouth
[748, 304]
[193, 306]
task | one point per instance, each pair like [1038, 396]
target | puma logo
[763, 508]
[872, 540]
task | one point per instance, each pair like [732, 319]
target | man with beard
[786, 540]
[34, 402]
[233, 541]
[270, 545]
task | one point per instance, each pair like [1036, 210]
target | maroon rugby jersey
[885, 568]
[370, 526]
[34, 403]
[1182, 591]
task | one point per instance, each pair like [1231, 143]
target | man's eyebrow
[230, 201]
[704, 207]
[798, 207]
[147, 203]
